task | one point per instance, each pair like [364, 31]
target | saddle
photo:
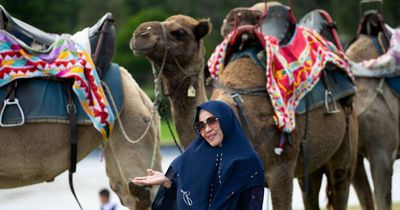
[44, 100]
[340, 87]
[279, 22]
[101, 36]
[321, 22]
[372, 24]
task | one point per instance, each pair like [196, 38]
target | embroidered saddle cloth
[340, 85]
[44, 100]
[63, 59]
[292, 70]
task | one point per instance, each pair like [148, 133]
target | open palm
[152, 178]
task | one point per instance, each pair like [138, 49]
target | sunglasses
[201, 126]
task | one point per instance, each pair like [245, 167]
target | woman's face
[212, 132]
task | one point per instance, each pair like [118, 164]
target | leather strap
[325, 80]
[2, 24]
[74, 138]
[99, 45]
[242, 113]
[304, 149]
[10, 94]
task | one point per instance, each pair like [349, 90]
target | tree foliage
[73, 15]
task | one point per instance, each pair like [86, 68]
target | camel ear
[202, 29]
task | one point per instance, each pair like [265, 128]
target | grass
[166, 137]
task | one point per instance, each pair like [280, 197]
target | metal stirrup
[15, 102]
[329, 97]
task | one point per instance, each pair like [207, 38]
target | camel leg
[121, 170]
[338, 188]
[382, 171]
[341, 167]
[115, 177]
[310, 187]
[280, 182]
[131, 160]
[362, 187]
[339, 177]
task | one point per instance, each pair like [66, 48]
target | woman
[219, 169]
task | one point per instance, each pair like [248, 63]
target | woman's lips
[211, 137]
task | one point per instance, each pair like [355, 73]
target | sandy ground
[91, 177]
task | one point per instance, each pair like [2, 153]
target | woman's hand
[153, 178]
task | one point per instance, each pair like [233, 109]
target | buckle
[15, 102]
[237, 99]
[71, 107]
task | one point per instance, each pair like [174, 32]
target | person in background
[219, 170]
[105, 203]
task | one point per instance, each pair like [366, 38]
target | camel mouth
[142, 51]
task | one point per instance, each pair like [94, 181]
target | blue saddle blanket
[44, 100]
[340, 84]
[394, 84]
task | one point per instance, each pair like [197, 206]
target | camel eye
[179, 33]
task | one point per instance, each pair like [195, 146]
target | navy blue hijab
[239, 167]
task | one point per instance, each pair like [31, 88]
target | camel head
[362, 49]
[245, 16]
[180, 35]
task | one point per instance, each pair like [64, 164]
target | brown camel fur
[35, 153]
[327, 142]
[378, 115]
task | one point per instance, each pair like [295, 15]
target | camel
[378, 111]
[251, 16]
[39, 151]
[35, 153]
[175, 46]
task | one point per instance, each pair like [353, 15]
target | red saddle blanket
[292, 70]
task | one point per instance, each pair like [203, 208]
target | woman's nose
[208, 128]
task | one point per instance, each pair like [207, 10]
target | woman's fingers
[141, 181]
[140, 178]
[135, 181]
[150, 172]
[153, 177]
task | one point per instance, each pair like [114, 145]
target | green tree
[48, 15]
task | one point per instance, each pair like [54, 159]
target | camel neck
[184, 110]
